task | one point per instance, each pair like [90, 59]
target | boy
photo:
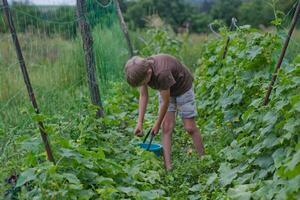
[174, 83]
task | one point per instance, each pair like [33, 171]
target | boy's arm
[165, 95]
[143, 101]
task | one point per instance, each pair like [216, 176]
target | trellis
[87, 41]
[90, 62]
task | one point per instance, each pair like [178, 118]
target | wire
[10, 99]
[46, 20]
[213, 31]
[289, 12]
[104, 6]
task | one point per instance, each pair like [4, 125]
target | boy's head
[138, 71]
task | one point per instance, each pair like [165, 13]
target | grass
[57, 72]
[110, 51]
[52, 69]
[192, 47]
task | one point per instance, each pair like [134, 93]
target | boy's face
[148, 77]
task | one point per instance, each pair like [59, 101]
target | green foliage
[260, 162]
[225, 10]
[160, 41]
[111, 52]
[92, 160]
[97, 14]
[175, 13]
[252, 150]
[200, 13]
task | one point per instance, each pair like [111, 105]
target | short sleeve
[165, 80]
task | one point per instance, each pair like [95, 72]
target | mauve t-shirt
[168, 72]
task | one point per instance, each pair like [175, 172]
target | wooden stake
[233, 21]
[283, 51]
[26, 79]
[87, 41]
[124, 28]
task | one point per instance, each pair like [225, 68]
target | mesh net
[52, 49]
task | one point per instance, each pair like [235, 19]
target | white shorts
[184, 104]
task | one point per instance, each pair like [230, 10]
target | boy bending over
[173, 80]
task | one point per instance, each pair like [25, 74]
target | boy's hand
[155, 130]
[138, 131]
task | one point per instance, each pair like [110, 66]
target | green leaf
[297, 106]
[106, 191]
[100, 153]
[32, 144]
[295, 160]
[72, 178]
[294, 184]
[270, 141]
[278, 157]
[26, 176]
[227, 174]
[239, 195]
[263, 161]
[68, 153]
[39, 117]
[291, 124]
[128, 190]
[270, 117]
[195, 188]
[211, 179]
[245, 177]
[254, 51]
[151, 194]
[85, 194]
[104, 181]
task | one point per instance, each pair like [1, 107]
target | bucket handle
[151, 138]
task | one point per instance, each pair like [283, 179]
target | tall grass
[57, 71]
[111, 52]
[53, 71]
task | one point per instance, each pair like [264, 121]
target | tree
[225, 10]
[175, 12]
[255, 13]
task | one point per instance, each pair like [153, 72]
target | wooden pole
[26, 79]
[87, 41]
[124, 28]
[233, 21]
[282, 54]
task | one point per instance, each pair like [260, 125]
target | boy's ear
[149, 71]
[149, 61]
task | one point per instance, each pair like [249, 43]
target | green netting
[52, 48]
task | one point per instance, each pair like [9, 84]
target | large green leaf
[227, 174]
[26, 176]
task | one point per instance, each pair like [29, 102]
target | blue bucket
[155, 148]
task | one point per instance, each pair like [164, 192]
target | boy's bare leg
[167, 129]
[191, 127]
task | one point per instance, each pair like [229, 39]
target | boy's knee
[167, 128]
[190, 129]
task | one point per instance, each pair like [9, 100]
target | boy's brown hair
[136, 70]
